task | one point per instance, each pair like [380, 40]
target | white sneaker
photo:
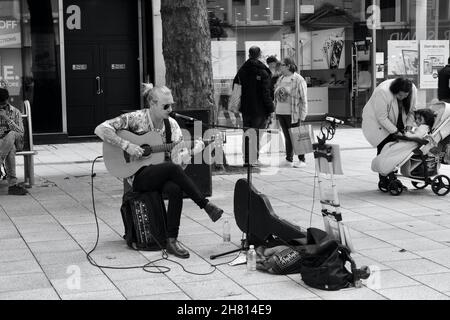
[299, 164]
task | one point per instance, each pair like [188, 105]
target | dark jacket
[443, 83]
[254, 77]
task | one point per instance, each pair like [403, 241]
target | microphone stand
[245, 241]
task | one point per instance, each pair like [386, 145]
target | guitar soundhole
[147, 150]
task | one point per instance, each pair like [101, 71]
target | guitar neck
[166, 147]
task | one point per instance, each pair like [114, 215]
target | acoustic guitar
[263, 222]
[121, 165]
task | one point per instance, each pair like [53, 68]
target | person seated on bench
[165, 177]
[11, 140]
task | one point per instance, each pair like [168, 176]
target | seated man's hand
[135, 150]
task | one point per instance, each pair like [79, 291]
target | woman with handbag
[291, 106]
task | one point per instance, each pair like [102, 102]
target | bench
[28, 151]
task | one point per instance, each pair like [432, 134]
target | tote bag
[301, 138]
[235, 99]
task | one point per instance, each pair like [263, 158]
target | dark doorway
[102, 61]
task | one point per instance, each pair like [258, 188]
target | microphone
[180, 116]
[334, 120]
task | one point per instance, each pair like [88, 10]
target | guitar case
[264, 224]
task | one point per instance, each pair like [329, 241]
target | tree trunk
[187, 54]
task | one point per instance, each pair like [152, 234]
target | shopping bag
[235, 98]
[301, 138]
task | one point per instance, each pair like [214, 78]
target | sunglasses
[284, 64]
[167, 106]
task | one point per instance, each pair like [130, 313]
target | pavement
[44, 236]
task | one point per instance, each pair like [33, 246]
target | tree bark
[187, 54]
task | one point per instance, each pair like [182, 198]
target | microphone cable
[145, 267]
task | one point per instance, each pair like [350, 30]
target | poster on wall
[433, 56]
[10, 32]
[268, 48]
[328, 50]
[11, 70]
[380, 65]
[223, 58]
[403, 57]
[288, 49]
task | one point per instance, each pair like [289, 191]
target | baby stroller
[421, 165]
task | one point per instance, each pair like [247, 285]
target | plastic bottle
[226, 231]
[251, 258]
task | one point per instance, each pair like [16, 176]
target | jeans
[285, 123]
[170, 179]
[8, 146]
[255, 122]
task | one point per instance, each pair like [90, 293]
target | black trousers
[285, 123]
[256, 122]
[170, 179]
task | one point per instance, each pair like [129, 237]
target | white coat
[379, 117]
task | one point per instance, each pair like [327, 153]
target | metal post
[374, 49]
[297, 32]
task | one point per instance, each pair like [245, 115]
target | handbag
[301, 138]
[235, 98]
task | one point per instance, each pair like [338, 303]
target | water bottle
[251, 258]
[226, 231]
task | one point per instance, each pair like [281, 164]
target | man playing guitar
[168, 176]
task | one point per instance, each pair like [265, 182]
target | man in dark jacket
[256, 102]
[444, 83]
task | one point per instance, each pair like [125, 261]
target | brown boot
[174, 247]
[213, 211]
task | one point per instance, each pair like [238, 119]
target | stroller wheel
[419, 185]
[382, 186]
[441, 185]
[395, 187]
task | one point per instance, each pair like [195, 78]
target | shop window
[391, 11]
[257, 12]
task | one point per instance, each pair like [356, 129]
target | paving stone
[146, 287]
[23, 282]
[74, 286]
[388, 254]
[417, 267]
[19, 267]
[36, 294]
[96, 295]
[10, 255]
[282, 290]
[413, 293]
[65, 270]
[439, 282]
[418, 244]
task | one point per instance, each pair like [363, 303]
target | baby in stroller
[415, 153]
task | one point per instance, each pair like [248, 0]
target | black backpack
[144, 219]
[326, 268]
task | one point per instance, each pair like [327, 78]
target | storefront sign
[223, 58]
[118, 66]
[9, 33]
[328, 51]
[403, 57]
[433, 56]
[78, 67]
[11, 70]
